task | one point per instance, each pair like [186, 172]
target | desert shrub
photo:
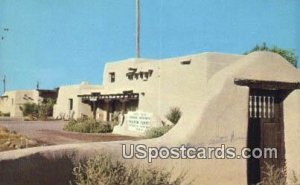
[38, 111]
[87, 125]
[174, 115]
[103, 170]
[30, 109]
[7, 114]
[157, 131]
[273, 176]
[45, 109]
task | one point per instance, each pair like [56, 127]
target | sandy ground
[51, 132]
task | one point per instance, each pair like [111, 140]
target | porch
[108, 107]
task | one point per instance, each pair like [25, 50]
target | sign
[139, 121]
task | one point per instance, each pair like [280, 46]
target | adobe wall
[292, 130]
[53, 164]
[172, 84]
[15, 99]
[223, 116]
[61, 108]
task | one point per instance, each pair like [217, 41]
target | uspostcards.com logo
[142, 151]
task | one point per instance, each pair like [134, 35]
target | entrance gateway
[266, 124]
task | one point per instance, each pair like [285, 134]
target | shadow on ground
[21, 171]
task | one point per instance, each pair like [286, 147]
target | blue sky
[60, 42]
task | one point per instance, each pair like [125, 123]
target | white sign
[139, 121]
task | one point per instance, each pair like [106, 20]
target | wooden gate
[266, 123]
[265, 130]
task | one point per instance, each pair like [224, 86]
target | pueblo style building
[239, 101]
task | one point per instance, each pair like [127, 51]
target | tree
[289, 55]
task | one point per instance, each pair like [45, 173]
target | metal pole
[137, 28]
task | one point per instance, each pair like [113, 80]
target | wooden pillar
[107, 101]
[94, 109]
[123, 101]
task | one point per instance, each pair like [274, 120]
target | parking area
[52, 133]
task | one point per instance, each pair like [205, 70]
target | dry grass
[102, 170]
[295, 179]
[277, 176]
[273, 176]
[11, 140]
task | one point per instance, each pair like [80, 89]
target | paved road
[51, 132]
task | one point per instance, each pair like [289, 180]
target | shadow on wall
[28, 171]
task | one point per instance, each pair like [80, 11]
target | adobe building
[69, 105]
[145, 88]
[237, 100]
[11, 101]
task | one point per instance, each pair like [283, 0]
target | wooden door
[265, 130]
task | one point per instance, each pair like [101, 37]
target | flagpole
[137, 28]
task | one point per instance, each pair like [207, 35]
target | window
[186, 62]
[70, 104]
[112, 77]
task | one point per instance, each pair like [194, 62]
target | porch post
[107, 101]
[123, 101]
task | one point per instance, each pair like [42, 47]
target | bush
[5, 114]
[45, 109]
[30, 109]
[87, 125]
[174, 115]
[157, 131]
[38, 111]
[103, 170]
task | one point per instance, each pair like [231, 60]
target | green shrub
[157, 131]
[87, 125]
[174, 115]
[103, 170]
